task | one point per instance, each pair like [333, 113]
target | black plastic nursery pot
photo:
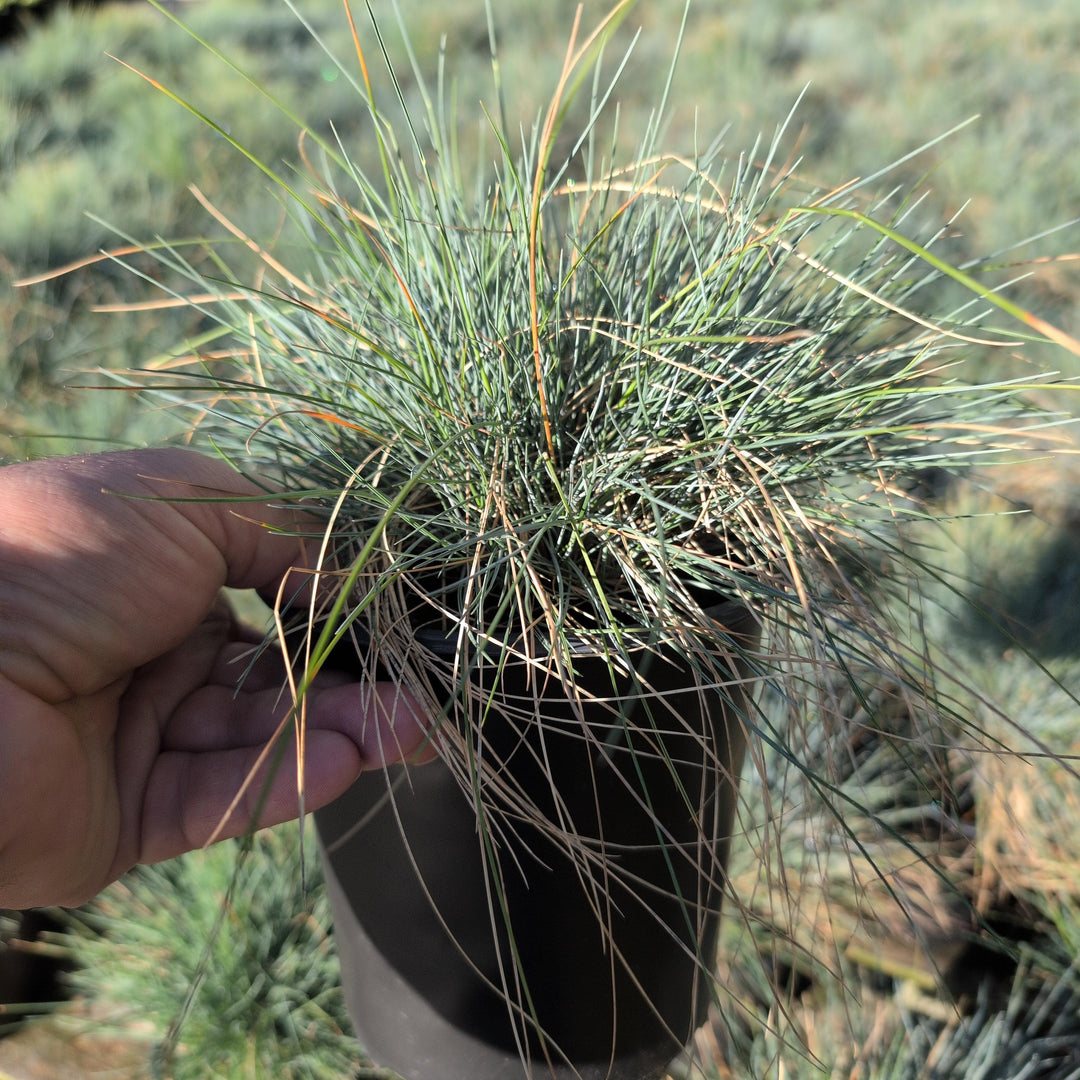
[574, 935]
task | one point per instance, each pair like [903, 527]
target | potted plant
[597, 448]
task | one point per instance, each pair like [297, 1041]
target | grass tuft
[234, 956]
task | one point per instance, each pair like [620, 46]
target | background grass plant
[233, 950]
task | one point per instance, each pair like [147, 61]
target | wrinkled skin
[123, 736]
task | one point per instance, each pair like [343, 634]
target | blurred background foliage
[236, 940]
[91, 156]
[89, 153]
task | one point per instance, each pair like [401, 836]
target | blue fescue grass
[236, 956]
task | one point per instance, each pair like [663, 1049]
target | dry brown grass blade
[246, 240]
[166, 303]
[79, 264]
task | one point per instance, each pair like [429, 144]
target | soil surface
[72, 1045]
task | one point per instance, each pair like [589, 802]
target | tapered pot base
[400, 1028]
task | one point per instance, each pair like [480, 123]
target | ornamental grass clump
[230, 943]
[577, 395]
[559, 401]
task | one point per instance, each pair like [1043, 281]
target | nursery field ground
[91, 156]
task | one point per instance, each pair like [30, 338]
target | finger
[248, 665]
[258, 541]
[193, 795]
[215, 694]
[190, 797]
[382, 720]
[255, 663]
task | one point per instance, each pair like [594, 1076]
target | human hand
[123, 735]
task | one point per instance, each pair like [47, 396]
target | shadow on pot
[31, 967]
